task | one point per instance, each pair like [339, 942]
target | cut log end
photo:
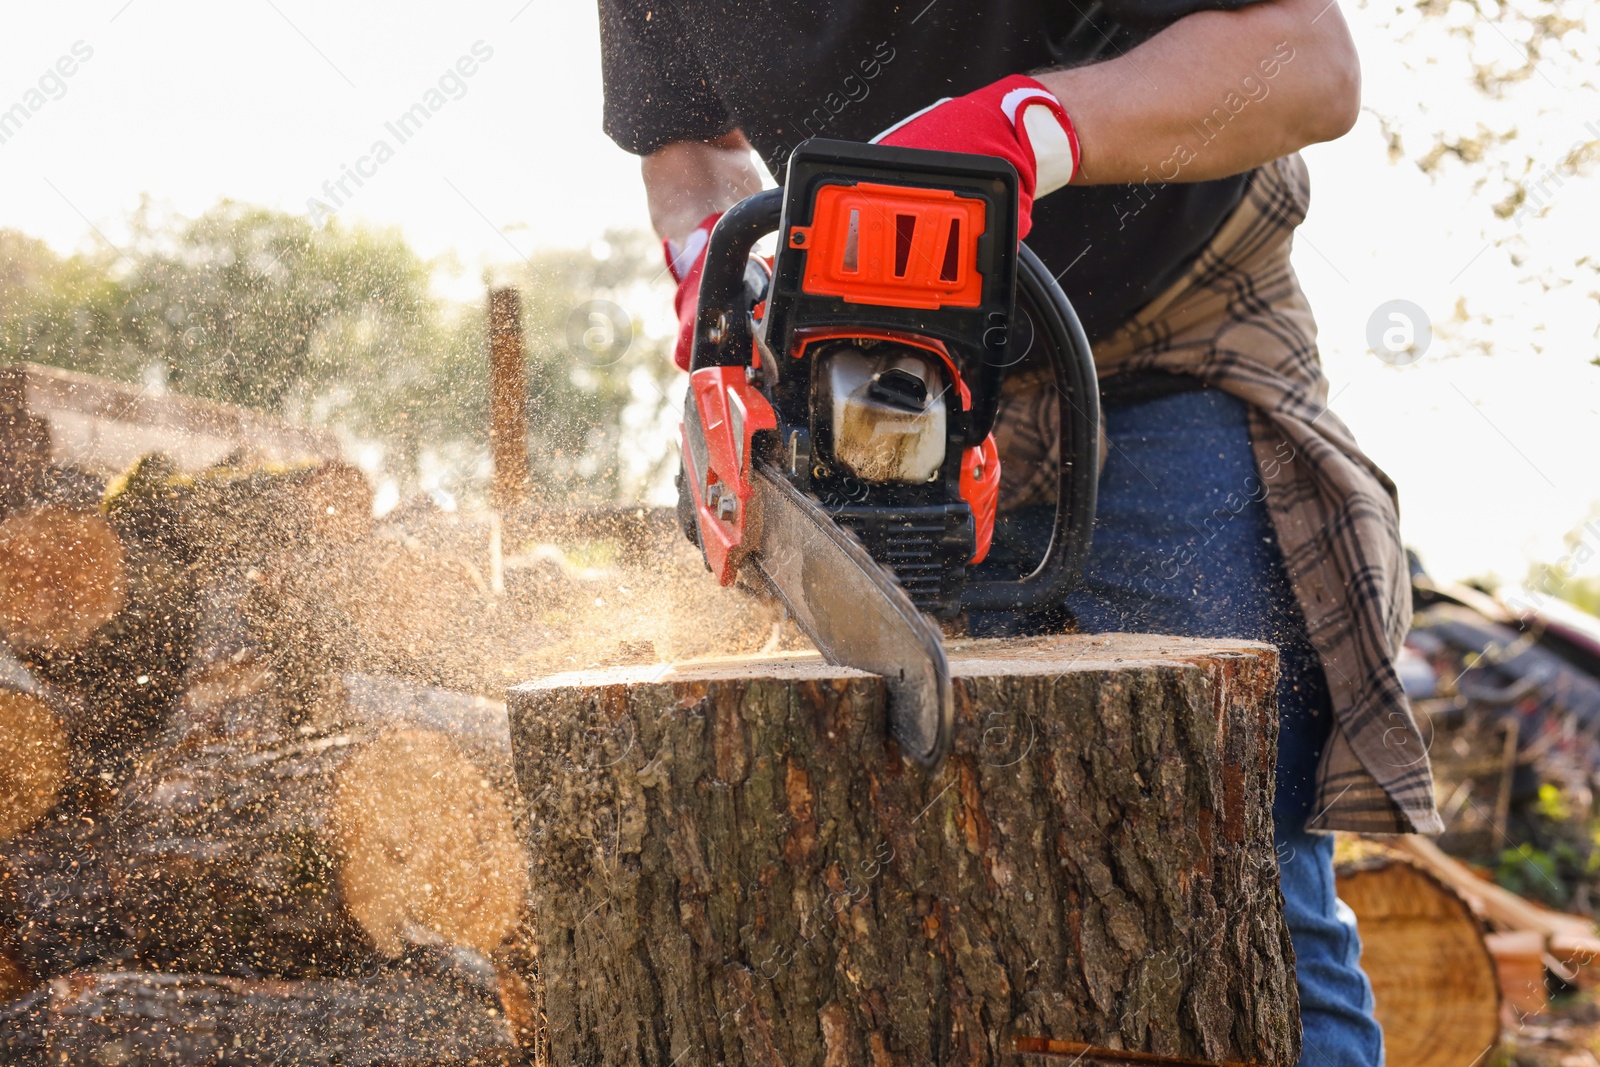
[34, 760]
[14, 981]
[62, 577]
[312, 853]
[1433, 980]
[428, 844]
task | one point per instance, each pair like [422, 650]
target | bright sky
[266, 100]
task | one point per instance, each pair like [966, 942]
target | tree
[602, 402]
[66, 312]
[338, 326]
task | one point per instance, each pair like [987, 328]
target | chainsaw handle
[1078, 397]
[722, 316]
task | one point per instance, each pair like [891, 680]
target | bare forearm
[689, 180]
[1216, 93]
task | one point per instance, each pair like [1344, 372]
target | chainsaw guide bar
[854, 611]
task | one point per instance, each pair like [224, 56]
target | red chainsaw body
[726, 413]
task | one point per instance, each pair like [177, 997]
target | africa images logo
[51, 85]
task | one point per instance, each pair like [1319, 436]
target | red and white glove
[686, 262]
[1017, 119]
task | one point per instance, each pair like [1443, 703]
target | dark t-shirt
[785, 70]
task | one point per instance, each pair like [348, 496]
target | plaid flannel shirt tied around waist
[1239, 321]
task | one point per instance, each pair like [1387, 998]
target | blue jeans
[1183, 545]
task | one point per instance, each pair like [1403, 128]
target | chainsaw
[837, 444]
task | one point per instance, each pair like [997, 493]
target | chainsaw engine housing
[868, 366]
[886, 322]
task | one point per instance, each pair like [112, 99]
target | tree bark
[733, 866]
[393, 1018]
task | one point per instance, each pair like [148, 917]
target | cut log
[1519, 966]
[1499, 905]
[56, 912]
[390, 1019]
[477, 725]
[1434, 982]
[35, 759]
[246, 848]
[1574, 958]
[733, 865]
[54, 746]
[62, 577]
[129, 672]
[1571, 942]
[426, 842]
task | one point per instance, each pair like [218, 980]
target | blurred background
[172, 215]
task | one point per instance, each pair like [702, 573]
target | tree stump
[62, 576]
[733, 865]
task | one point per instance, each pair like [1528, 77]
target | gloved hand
[1017, 119]
[686, 264]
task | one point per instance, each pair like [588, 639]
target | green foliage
[1531, 872]
[1557, 855]
[1583, 593]
[588, 362]
[338, 326]
[1551, 804]
[253, 306]
[1562, 578]
[64, 312]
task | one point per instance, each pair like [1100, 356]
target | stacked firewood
[220, 842]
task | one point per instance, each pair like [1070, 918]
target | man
[1156, 143]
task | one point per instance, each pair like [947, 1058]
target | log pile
[53, 418]
[218, 842]
[391, 1018]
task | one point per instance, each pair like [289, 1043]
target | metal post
[508, 401]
